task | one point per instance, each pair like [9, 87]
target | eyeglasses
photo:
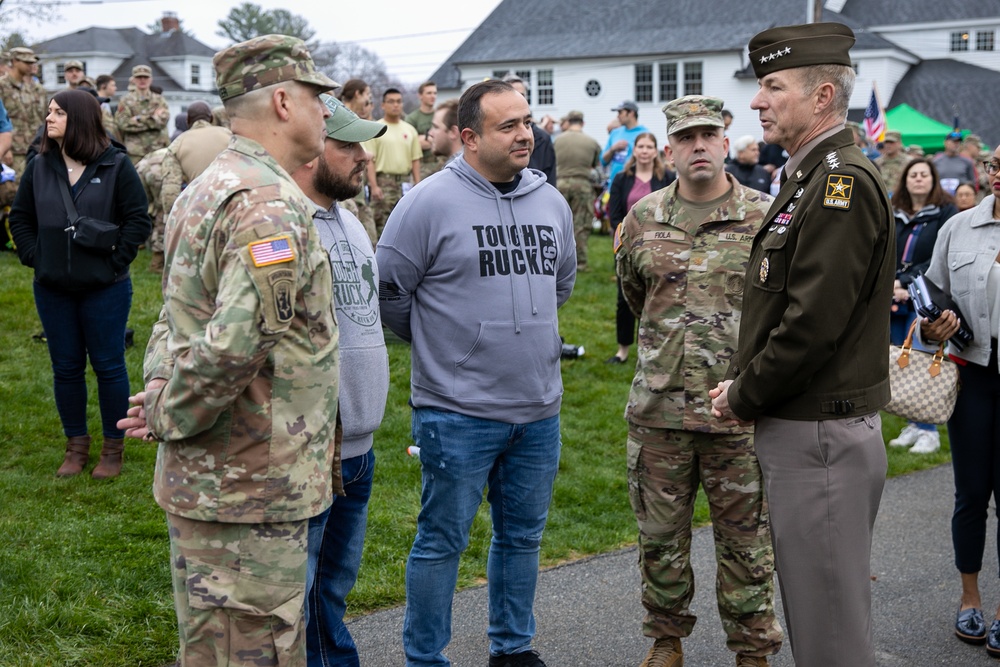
[991, 167]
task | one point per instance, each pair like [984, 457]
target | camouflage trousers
[579, 195]
[392, 192]
[665, 468]
[158, 231]
[239, 592]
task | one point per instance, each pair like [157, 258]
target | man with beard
[336, 536]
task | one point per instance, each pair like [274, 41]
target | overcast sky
[382, 26]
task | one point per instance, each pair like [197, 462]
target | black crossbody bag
[88, 232]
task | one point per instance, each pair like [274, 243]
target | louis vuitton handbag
[924, 385]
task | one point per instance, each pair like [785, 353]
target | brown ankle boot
[77, 452]
[110, 464]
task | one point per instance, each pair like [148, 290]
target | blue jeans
[81, 324]
[336, 539]
[459, 457]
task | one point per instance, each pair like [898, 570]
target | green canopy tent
[917, 128]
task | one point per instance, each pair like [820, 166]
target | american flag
[874, 119]
[271, 252]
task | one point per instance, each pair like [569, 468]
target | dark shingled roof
[901, 12]
[943, 89]
[134, 46]
[522, 30]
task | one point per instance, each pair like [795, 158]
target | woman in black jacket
[643, 174]
[83, 294]
[921, 208]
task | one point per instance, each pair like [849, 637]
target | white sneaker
[927, 442]
[907, 436]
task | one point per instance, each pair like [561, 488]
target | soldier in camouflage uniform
[576, 155]
[241, 370]
[150, 170]
[26, 104]
[892, 161]
[681, 254]
[142, 116]
[190, 153]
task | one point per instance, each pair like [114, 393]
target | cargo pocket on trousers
[254, 604]
[634, 474]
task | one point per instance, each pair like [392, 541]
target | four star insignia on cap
[777, 54]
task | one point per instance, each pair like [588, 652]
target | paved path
[589, 615]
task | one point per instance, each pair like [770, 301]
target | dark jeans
[336, 540]
[974, 431]
[81, 324]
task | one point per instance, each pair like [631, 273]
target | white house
[181, 65]
[939, 56]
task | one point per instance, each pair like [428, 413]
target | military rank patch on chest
[272, 251]
[838, 191]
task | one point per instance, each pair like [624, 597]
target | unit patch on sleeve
[271, 251]
[838, 191]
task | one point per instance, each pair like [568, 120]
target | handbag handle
[904, 356]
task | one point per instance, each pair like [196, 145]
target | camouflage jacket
[26, 105]
[142, 121]
[891, 168]
[684, 282]
[150, 170]
[247, 341]
[188, 155]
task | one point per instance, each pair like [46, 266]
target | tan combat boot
[77, 452]
[665, 652]
[750, 661]
[110, 464]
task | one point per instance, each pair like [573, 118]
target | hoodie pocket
[504, 364]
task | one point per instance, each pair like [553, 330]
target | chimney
[170, 22]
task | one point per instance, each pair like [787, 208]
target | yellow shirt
[395, 151]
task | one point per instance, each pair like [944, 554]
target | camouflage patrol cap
[142, 70]
[693, 111]
[263, 61]
[345, 125]
[73, 64]
[800, 46]
[893, 135]
[24, 54]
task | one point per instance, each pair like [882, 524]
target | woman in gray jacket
[966, 265]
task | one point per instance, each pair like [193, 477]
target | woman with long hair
[357, 96]
[921, 208]
[83, 293]
[644, 173]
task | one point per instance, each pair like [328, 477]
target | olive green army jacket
[814, 336]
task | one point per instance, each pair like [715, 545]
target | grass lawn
[83, 564]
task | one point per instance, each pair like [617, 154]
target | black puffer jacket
[109, 189]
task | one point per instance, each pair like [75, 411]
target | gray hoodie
[364, 362]
[473, 278]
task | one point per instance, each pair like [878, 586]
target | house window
[525, 75]
[668, 81]
[195, 75]
[60, 74]
[546, 87]
[692, 78]
[960, 41]
[644, 82]
[984, 40]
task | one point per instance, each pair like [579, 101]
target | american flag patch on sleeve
[271, 251]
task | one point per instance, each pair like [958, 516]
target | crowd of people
[765, 279]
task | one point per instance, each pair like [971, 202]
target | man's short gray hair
[744, 143]
[841, 76]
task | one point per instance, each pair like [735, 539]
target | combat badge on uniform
[765, 267]
[838, 192]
